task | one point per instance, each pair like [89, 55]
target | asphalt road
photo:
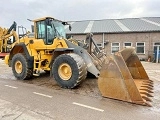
[42, 99]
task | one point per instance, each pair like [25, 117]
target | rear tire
[69, 70]
[20, 67]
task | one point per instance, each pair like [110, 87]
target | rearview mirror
[70, 28]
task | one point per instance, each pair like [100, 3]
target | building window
[156, 44]
[115, 47]
[127, 44]
[140, 47]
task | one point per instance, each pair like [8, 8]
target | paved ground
[20, 99]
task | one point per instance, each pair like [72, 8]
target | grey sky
[75, 10]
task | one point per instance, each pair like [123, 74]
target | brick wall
[148, 38]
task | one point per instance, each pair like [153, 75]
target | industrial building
[114, 34]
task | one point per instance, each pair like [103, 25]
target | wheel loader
[120, 76]
[5, 41]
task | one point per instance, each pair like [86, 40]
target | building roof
[145, 24]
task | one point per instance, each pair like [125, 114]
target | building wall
[148, 38]
[129, 37]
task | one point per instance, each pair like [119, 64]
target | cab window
[41, 30]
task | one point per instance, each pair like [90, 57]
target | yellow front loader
[120, 76]
[5, 41]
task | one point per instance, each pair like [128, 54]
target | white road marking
[11, 86]
[82, 105]
[43, 95]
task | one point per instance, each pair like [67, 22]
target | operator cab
[48, 29]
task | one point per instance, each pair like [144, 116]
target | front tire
[69, 70]
[20, 67]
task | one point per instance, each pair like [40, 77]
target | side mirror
[65, 23]
[32, 28]
[70, 28]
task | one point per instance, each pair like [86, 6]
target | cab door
[41, 37]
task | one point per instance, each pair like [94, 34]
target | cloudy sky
[75, 10]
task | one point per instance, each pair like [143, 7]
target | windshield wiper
[56, 30]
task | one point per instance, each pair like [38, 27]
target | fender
[21, 48]
[59, 51]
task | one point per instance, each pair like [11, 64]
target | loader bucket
[123, 77]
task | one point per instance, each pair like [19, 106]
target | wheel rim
[18, 67]
[65, 71]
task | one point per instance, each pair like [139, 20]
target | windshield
[59, 29]
[49, 31]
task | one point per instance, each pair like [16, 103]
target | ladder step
[36, 74]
